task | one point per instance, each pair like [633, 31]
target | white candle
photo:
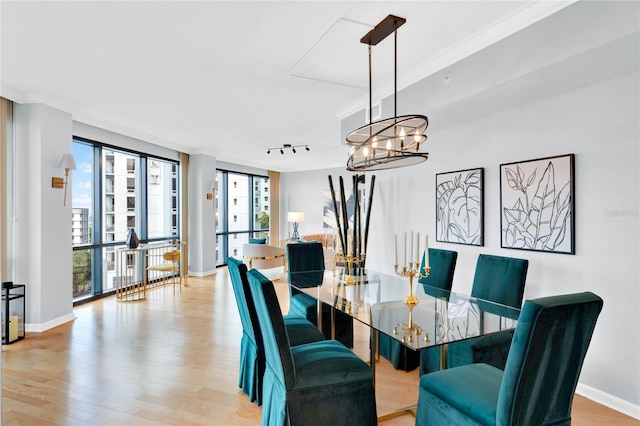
[404, 263]
[395, 236]
[411, 250]
[426, 251]
[418, 247]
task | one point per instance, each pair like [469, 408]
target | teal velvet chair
[497, 279]
[540, 377]
[320, 383]
[437, 284]
[252, 360]
[309, 256]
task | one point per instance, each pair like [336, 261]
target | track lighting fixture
[288, 146]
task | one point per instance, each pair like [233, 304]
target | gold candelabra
[413, 270]
[350, 260]
[410, 330]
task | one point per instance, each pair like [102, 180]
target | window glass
[123, 203]
[162, 199]
[82, 195]
[121, 184]
[241, 206]
[261, 195]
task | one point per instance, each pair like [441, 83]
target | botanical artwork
[459, 207]
[537, 204]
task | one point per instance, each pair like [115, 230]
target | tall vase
[132, 239]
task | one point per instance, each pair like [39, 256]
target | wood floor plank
[169, 360]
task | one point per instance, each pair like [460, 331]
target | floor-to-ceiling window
[242, 212]
[114, 190]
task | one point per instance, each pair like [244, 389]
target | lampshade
[391, 142]
[295, 217]
[67, 162]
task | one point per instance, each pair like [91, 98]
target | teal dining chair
[437, 284]
[252, 360]
[540, 377]
[497, 279]
[309, 257]
[320, 383]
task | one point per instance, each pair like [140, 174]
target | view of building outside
[241, 211]
[82, 229]
[121, 209]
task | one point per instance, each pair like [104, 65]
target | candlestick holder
[410, 332]
[350, 260]
[413, 270]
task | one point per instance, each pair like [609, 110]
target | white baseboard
[202, 274]
[613, 402]
[39, 328]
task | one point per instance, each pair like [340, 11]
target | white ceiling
[231, 79]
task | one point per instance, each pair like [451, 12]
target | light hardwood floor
[170, 360]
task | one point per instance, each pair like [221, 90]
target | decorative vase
[132, 239]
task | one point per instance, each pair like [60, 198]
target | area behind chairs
[539, 379]
[321, 383]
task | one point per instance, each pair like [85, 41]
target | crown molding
[523, 17]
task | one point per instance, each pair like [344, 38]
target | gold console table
[132, 276]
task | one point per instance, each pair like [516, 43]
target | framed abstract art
[460, 207]
[537, 205]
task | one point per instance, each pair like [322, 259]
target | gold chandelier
[390, 142]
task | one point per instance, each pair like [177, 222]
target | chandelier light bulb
[389, 145]
[365, 151]
[374, 142]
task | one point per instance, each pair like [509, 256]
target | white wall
[586, 103]
[202, 226]
[42, 242]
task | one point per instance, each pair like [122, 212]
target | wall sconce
[295, 218]
[67, 163]
[212, 189]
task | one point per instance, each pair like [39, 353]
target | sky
[81, 193]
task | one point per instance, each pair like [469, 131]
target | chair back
[545, 359]
[244, 299]
[305, 256]
[440, 279]
[171, 256]
[301, 257]
[277, 348]
[500, 279]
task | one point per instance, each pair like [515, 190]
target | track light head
[307, 147]
[281, 151]
[294, 150]
[268, 151]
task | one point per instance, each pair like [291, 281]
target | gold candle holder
[413, 270]
[350, 260]
[410, 332]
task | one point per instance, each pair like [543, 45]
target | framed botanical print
[537, 205]
[460, 207]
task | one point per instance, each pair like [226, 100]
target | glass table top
[376, 299]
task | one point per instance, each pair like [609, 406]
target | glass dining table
[377, 300]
